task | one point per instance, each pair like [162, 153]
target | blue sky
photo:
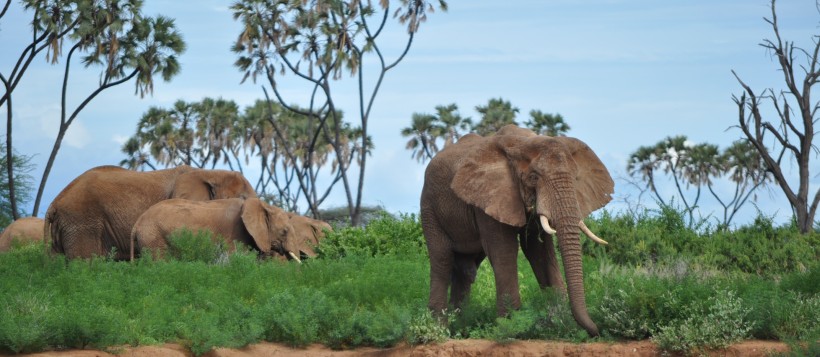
[623, 74]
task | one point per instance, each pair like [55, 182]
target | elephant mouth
[545, 225]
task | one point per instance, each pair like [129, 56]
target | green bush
[661, 237]
[186, 245]
[715, 323]
[385, 235]
[424, 328]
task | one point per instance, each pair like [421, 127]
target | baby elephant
[251, 221]
[23, 230]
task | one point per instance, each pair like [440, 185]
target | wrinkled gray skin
[252, 222]
[481, 193]
[96, 212]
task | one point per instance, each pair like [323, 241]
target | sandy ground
[460, 348]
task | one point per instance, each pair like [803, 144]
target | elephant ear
[594, 185]
[193, 185]
[485, 179]
[255, 218]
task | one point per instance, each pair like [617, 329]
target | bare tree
[318, 41]
[788, 140]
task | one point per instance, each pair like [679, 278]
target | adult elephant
[25, 229]
[481, 193]
[309, 232]
[96, 212]
[251, 221]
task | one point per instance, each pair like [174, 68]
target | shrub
[424, 328]
[386, 235]
[186, 245]
[717, 323]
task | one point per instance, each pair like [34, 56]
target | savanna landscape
[368, 287]
[215, 233]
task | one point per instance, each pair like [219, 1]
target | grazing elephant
[23, 230]
[96, 212]
[481, 193]
[309, 232]
[251, 221]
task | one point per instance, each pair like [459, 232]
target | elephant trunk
[566, 216]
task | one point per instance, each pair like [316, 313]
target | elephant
[24, 229]
[309, 232]
[251, 221]
[481, 193]
[97, 210]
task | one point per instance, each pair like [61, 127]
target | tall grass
[369, 287]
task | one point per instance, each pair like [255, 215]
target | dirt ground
[459, 348]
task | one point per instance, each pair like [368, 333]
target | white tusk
[296, 258]
[546, 225]
[591, 235]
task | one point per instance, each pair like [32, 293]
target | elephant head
[270, 229]
[517, 174]
[308, 232]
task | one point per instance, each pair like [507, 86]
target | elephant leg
[540, 252]
[442, 259]
[465, 268]
[501, 246]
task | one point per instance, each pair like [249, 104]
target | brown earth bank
[459, 348]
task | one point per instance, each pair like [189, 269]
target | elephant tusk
[591, 235]
[296, 258]
[546, 225]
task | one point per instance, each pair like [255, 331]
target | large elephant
[25, 229]
[309, 232]
[251, 221]
[96, 212]
[481, 193]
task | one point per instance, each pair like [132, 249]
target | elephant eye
[532, 178]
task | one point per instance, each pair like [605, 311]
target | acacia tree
[107, 33]
[318, 41]
[787, 141]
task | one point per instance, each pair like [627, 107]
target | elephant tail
[52, 237]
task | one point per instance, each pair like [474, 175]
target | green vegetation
[656, 279]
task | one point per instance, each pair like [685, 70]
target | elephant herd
[111, 211]
[482, 197]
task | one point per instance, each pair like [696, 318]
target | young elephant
[253, 222]
[24, 230]
[308, 231]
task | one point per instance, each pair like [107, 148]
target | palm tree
[496, 114]
[450, 123]
[216, 122]
[547, 124]
[114, 35]
[422, 133]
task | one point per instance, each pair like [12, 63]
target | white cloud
[119, 139]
